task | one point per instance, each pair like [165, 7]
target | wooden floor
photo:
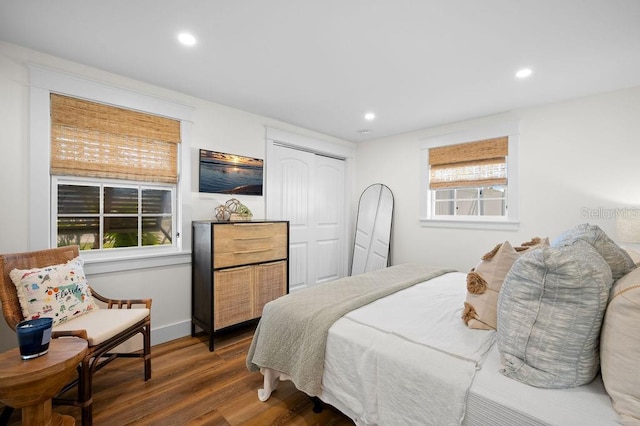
[192, 386]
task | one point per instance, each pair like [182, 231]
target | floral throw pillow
[60, 291]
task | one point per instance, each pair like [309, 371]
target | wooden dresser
[237, 267]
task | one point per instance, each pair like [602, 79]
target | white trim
[43, 82]
[170, 332]
[316, 146]
[64, 83]
[505, 225]
[511, 220]
[507, 128]
[122, 262]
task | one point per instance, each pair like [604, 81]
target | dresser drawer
[244, 243]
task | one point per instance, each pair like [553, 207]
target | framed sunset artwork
[224, 173]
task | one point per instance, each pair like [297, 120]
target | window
[482, 201]
[112, 151]
[470, 182]
[469, 179]
[43, 183]
[97, 215]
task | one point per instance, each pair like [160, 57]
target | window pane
[444, 208]
[466, 193]
[492, 208]
[444, 194]
[493, 192]
[156, 201]
[467, 207]
[156, 230]
[120, 200]
[120, 232]
[82, 231]
[78, 199]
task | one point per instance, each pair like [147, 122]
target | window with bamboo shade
[115, 172]
[471, 177]
[468, 179]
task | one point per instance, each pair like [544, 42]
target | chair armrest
[121, 303]
[70, 333]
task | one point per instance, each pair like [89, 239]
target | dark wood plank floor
[192, 386]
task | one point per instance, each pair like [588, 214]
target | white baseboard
[170, 332]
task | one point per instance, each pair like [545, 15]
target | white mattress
[492, 399]
[497, 400]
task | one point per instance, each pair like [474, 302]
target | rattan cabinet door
[270, 283]
[233, 298]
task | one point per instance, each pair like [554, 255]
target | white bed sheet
[352, 383]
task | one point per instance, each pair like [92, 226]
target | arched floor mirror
[372, 241]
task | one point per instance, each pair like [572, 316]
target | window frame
[101, 215]
[508, 222]
[478, 198]
[43, 82]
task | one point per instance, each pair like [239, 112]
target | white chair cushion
[102, 324]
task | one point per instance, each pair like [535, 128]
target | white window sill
[465, 223]
[93, 264]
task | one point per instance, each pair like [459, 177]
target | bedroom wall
[578, 161]
[215, 127]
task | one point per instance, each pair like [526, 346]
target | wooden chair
[104, 329]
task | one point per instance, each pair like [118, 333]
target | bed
[407, 358]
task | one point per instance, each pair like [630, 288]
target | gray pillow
[618, 259]
[550, 310]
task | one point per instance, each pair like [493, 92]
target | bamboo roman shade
[96, 140]
[471, 164]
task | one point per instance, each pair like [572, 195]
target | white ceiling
[322, 64]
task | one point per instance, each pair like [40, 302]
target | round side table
[30, 384]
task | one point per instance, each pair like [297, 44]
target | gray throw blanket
[292, 333]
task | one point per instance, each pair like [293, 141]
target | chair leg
[85, 398]
[147, 353]
[6, 415]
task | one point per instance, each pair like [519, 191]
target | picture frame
[224, 173]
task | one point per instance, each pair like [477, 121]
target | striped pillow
[550, 310]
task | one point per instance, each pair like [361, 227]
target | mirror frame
[374, 225]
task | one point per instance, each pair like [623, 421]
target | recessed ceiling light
[524, 73]
[187, 39]
[369, 116]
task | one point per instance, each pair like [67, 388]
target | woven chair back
[35, 259]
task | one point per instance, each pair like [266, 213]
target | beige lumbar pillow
[485, 281]
[620, 348]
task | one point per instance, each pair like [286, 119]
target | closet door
[308, 190]
[328, 214]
